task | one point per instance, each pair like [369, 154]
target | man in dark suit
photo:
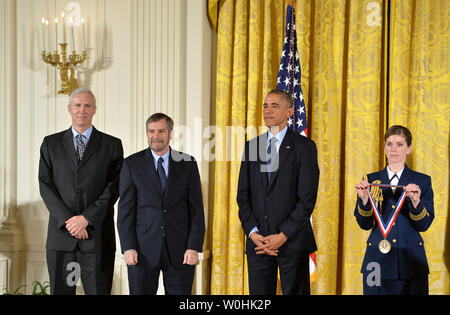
[78, 179]
[160, 218]
[276, 195]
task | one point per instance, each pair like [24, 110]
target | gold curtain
[419, 98]
[353, 60]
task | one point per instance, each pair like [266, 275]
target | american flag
[289, 75]
[289, 80]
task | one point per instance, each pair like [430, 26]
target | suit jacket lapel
[384, 178]
[406, 176]
[150, 171]
[69, 146]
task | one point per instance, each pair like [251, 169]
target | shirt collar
[279, 136]
[165, 156]
[86, 134]
[391, 173]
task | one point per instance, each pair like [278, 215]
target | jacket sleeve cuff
[419, 213]
[364, 210]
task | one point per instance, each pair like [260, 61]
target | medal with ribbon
[376, 196]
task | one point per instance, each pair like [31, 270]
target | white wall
[143, 56]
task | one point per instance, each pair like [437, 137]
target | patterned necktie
[81, 147]
[272, 146]
[162, 173]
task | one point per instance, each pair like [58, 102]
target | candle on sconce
[63, 24]
[43, 34]
[73, 35]
[61, 58]
[84, 35]
[47, 35]
[56, 34]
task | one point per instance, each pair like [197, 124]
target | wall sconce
[64, 62]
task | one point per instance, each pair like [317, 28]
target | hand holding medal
[361, 189]
[384, 246]
[413, 192]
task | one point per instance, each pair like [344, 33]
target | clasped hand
[268, 245]
[76, 226]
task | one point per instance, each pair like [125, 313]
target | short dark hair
[399, 130]
[157, 117]
[286, 95]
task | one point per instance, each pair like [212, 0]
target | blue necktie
[162, 173]
[272, 145]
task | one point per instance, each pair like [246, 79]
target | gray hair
[79, 91]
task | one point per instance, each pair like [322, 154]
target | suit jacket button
[394, 241]
[265, 217]
[420, 243]
[162, 227]
[370, 244]
[164, 211]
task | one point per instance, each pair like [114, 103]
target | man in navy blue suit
[160, 218]
[399, 255]
[277, 191]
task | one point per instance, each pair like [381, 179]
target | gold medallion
[384, 246]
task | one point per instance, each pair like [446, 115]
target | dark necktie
[162, 173]
[271, 148]
[81, 147]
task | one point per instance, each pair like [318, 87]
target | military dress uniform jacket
[407, 258]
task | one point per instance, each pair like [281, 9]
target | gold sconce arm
[64, 64]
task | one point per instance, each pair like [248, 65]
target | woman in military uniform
[395, 261]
